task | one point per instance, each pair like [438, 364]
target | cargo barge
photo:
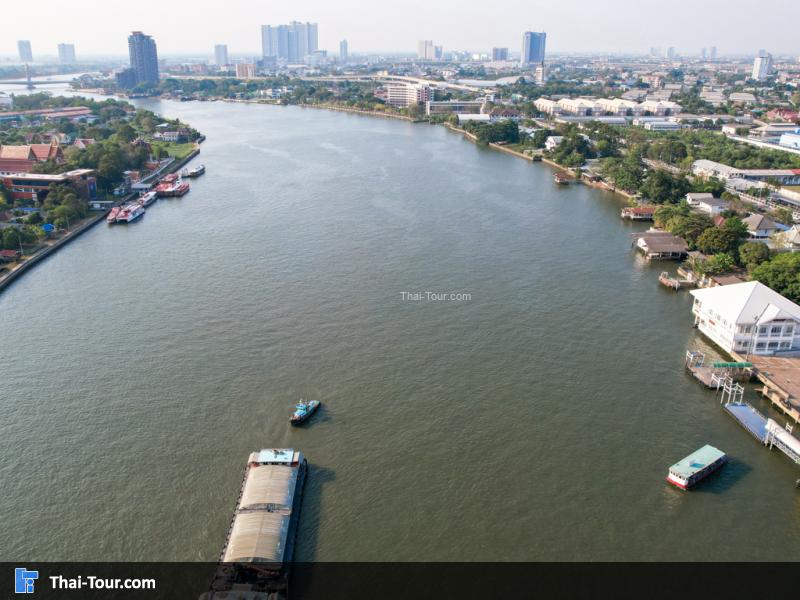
[259, 546]
[697, 466]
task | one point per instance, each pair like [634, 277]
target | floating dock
[260, 543]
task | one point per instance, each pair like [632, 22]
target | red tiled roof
[16, 152]
[16, 165]
[8, 253]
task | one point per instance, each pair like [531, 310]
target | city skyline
[572, 26]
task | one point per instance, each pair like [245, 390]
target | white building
[706, 202]
[66, 54]
[762, 66]
[791, 140]
[747, 318]
[760, 227]
[245, 70]
[552, 142]
[547, 106]
[403, 95]
[619, 107]
[221, 55]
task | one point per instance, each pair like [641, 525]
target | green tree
[782, 274]
[783, 215]
[660, 186]
[718, 264]
[690, 227]
[664, 213]
[752, 254]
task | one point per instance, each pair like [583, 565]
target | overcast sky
[181, 26]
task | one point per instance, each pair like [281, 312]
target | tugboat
[197, 171]
[303, 411]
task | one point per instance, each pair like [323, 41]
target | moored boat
[303, 411]
[697, 466]
[130, 212]
[148, 198]
[173, 187]
[112, 215]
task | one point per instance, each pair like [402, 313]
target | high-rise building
[670, 52]
[533, 47]
[66, 54]
[655, 51]
[144, 57]
[712, 53]
[221, 55]
[704, 53]
[762, 65]
[438, 52]
[245, 70]
[343, 55]
[499, 54]
[425, 50]
[291, 43]
[25, 52]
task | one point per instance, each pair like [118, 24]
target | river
[533, 419]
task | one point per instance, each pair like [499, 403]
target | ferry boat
[303, 411]
[112, 215]
[197, 171]
[686, 473]
[148, 198]
[130, 212]
[172, 187]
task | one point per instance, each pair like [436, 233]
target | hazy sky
[182, 26]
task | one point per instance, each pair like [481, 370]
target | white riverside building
[747, 317]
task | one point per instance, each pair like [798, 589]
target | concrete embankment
[39, 256]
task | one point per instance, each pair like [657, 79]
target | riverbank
[38, 256]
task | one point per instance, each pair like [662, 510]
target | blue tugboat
[303, 410]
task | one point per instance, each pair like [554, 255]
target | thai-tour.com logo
[24, 580]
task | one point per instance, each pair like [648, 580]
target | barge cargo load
[260, 543]
[696, 467]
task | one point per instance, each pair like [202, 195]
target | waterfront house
[760, 227]
[9, 255]
[747, 317]
[660, 245]
[638, 213]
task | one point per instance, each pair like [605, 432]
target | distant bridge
[34, 83]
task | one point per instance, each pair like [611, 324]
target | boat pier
[673, 282]
[713, 375]
[722, 377]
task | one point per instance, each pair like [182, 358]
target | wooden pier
[713, 375]
[673, 282]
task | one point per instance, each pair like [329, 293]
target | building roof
[757, 221]
[697, 196]
[661, 241]
[696, 461]
[747, 303]
[17, 152]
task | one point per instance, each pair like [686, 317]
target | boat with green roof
[697, 466]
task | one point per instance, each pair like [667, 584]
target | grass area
[174, 149]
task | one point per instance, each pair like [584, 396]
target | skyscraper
[144, 57]
[66, 54]
[713, 53]
[762, 65]
[670, 52]
[25, 52]
[292, 42]
[533, 44]
[499, 54]
[343, 56]
[425, 50]
[221, 55]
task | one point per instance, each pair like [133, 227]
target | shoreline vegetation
[110, 143]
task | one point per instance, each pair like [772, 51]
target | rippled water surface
[534, 420]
